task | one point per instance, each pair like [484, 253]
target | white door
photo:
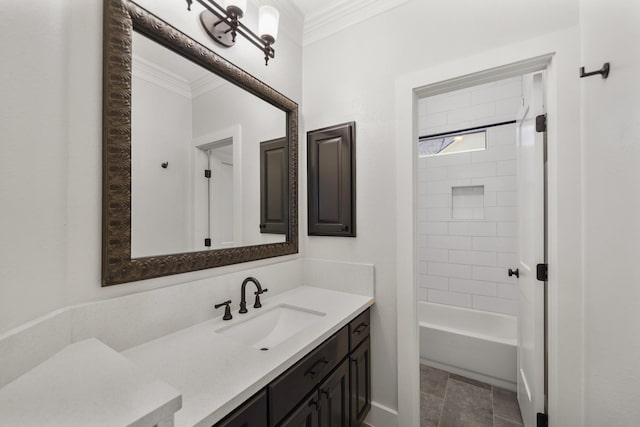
[221, 200]
[530, 154]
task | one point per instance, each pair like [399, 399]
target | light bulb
[268, 23]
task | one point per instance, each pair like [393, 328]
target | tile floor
[450, 400]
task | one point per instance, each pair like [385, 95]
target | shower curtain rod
[455, 132]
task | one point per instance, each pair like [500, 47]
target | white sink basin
[272, 326]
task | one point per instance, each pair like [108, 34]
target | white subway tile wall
[464, 262]
[466, 108]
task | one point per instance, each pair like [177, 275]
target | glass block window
[452, 143]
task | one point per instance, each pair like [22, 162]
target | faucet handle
[257, 304]
[227, 309]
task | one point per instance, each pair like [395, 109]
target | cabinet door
[333, 410]
[273, 186]
[360, 382]
[331, 176]
[305, 415]
[252, 413]
[285, 391]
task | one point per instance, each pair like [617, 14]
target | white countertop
[87, 384]
[215, 373]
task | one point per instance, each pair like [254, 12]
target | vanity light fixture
[223, 24]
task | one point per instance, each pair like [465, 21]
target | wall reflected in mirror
[185, 121]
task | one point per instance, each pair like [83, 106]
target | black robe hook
[604, 71]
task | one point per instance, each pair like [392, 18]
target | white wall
[464, 262]
[33, 160]
[352, 76]
[160, 207]
[51, 175]
[611, 138]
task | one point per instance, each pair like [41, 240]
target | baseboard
[381, 416]
[471, 374]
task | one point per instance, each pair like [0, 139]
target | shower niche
[467, 202]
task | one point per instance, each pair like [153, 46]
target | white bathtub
[477, 344]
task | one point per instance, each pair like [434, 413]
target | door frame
[558, 54]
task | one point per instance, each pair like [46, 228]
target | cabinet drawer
[359, 329]
[285, 392]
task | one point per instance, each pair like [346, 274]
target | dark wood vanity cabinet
[333, 398]
[360, 381]
[360, 367]
[305, 376]
[359, 329]
[252, 413]
[305, 415]
[329, 387]
[328, 404]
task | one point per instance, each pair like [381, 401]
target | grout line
[510, 419]
[506, 417]
[446, 389]
[493, 409]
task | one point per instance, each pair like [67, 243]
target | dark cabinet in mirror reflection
[331, 180]
[273, 186]
[121, 19]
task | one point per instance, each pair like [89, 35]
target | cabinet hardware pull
[312, 370]
[361, 327]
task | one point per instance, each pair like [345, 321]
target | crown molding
[205, 84]
[152, 73]
[340, 15]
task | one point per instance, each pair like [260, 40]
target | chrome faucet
[243, 298]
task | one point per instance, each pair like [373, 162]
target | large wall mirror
[183, 181]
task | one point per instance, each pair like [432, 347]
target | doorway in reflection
[218, 195]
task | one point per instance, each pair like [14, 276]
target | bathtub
[477, 344]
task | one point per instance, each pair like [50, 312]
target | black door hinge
[207, 173]
[542, 420]
[541, 123]
[541, 272]
[207, 242]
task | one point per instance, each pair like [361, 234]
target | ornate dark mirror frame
[121, 17]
